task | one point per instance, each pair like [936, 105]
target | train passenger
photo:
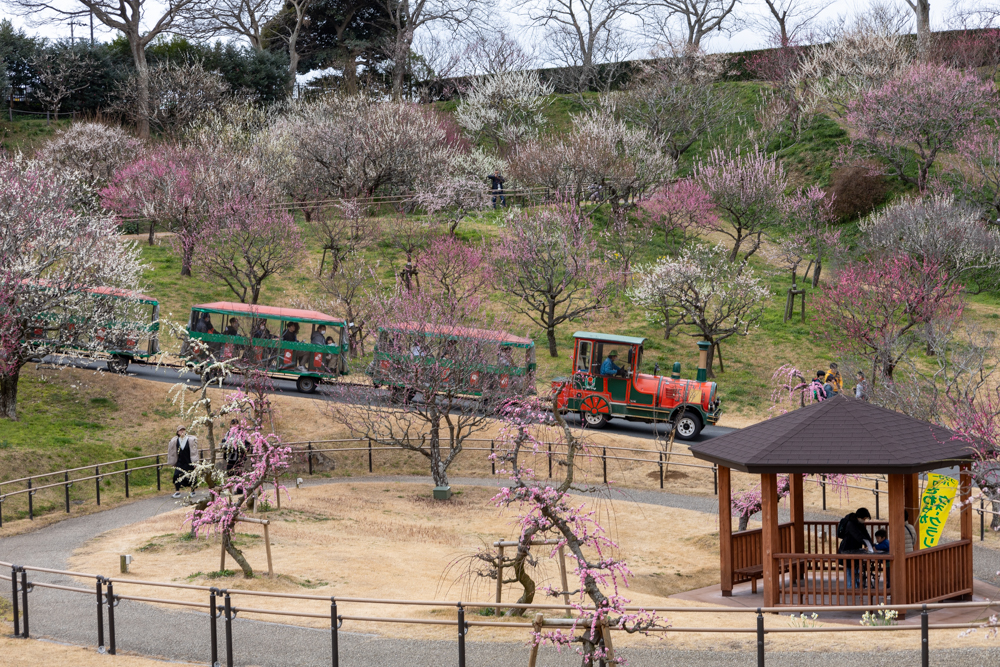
[506, 357]
[319, 335]
[233, 328]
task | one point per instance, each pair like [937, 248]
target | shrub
[856, 191]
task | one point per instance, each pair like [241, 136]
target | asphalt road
[184, 635]
[172, 375]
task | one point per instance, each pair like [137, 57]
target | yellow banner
[934, 508]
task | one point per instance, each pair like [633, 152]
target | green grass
[27, 134]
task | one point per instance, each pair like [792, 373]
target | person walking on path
[496, 185]
[182, 454]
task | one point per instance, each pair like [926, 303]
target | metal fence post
[229, 629]
[876, 500]
[31, 504]
[760, 638]
[111, 618]
[213, 626]
[13, 599]
[982, 520]
[126, 478]
[370, 455]
[158, 472]
[24, 602]
[925, 659]
[550, 460]
[493, 461]
[604, 463]
[100, 615]
[335, 624]
[715, 479]
[310, 457]
[66, 479]
[823, 484]
[97, 482]
[1, 511]
[661, 468]
[462, 630]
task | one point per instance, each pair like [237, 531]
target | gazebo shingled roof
[838, 435]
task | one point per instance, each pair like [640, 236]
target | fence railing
[814, 579]
[224, 604]
[307, 450]
[939, 572]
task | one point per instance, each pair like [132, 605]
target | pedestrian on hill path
[182, 454]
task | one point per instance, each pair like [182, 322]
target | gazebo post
[797, 511]
[725, 531]
[897, 539]
[771, 543]
[913, 500]
[965, 494]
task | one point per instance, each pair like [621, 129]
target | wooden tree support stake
[536, 625]
[267, 546]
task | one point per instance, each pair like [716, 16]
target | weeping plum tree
[548, 261]
[49, 256]
[264, 458]
[545, 511]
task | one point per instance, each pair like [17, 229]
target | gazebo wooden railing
[827, 579]
[940, 573]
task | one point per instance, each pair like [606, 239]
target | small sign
[934, 508]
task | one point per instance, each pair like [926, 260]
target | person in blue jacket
[610, 368]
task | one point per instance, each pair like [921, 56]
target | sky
[738, 41]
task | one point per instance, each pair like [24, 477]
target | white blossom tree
[702, 288]
[504, 108]
[95, 151]
[50, 258]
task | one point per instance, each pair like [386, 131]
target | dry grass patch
[33, 652]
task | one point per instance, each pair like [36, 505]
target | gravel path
[184, 635]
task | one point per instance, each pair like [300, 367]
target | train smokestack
[703, 347]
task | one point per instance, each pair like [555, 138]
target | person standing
[496, 185]
[833, 378]
[182, 454]
[861, 388]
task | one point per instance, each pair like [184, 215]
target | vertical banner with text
[935, 505]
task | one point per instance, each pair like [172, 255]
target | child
[881, 541]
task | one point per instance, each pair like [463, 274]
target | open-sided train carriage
[261, 337]
[633, 395]
[413, 356]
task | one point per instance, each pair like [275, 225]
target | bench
[755, 572]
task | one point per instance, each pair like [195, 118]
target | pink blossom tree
[979, 179]
[809, 214]
[548, 261]
[680, 207]
[877, 308]
[976, 421]
[926, 110]
[455, 270]
[748, 188]
[545, 511]
[263, 457]
[243, 242]
[50, 255]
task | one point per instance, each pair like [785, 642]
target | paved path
[184, 635]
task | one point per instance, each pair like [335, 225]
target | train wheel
[594, 419]
[688, 426]
[118, 364]
[306, 385]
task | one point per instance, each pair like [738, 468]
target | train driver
[609, 368]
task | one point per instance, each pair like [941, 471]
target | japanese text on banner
[934, 508]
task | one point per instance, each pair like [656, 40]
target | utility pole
[91, 28]
[71, 36]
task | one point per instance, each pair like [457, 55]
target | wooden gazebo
[797, 561]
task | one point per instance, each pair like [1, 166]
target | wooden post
[796, 505]
[499, 577]
[606, 633]
[769, 537]
[725, 532]
[536, 625]
[912, 506]
[897, 539]
[562, 576]
[267, 546]
[965, 491]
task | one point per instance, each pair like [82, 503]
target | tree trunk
[142, 73]
[817, 270]
[237, 555]
[923, 12]
[187, 254]
[8, 394]
[550, 334]
[527, 583]
[709, 370]
[152, 232]
[438, 470]
[744, 520]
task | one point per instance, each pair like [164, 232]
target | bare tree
[698, 18]
[495, 50]
[406, 17]
[245, 18]
[290, 31]
[584, 37]
[129, 17]
[922, 11]
[61, 72]
[788, 18]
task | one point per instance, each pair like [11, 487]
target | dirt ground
[34, 652]
[390, 541]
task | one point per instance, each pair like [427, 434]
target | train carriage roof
[501, 337]
[609, 338]
[269, 312]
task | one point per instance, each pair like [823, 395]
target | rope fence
[102, 473]
[221, 605]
